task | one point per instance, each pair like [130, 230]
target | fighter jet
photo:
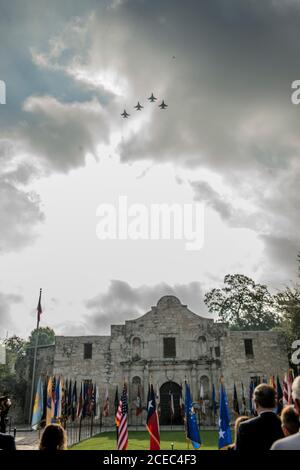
[152, 98]
[125, 114]
[163, 105]
[138, 107]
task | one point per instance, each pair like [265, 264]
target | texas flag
[152, 421]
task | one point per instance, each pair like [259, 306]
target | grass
[139, 440]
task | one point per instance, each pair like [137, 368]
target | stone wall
[135, 352]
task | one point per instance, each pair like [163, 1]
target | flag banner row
[59, 401]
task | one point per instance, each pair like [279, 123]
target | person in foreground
[291, 442]
[258, 434]
[7, 442]
[53, 438]
[238, 421]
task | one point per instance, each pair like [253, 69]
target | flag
[69, 400]
[50, 407]
[116, 400]
[74, 402]
[251, 390]
[92, 403]
[285, 391]
[106, 403]
[152, 420]
[202, 401]
[57, 400]
[214, 401]
[158, 407]
[171, 404]
[45, 387]
[119, 413]
[65, 399]
[39, 307]
[181, 402]
[123, 426]
[80, 401]
[97, 402]
[38, 406]
[244, 400]
[225, 438]
[138, 403]
[272, 382]
[192, 429]
[290, 380]
[236, 407]
[279, 397]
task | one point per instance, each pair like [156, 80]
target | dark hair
[53, 438]
[264, 396]
[290, 419]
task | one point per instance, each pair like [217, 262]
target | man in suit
[258, 434]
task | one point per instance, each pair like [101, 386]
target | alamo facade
[166, 345]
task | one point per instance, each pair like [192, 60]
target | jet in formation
[125, 114]
[138, 107]
[152, 98]
[163, 105]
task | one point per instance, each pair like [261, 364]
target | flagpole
[34, 360]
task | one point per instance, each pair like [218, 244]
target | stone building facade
[168, 345]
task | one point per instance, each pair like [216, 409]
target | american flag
[285, 391]
[121, 418]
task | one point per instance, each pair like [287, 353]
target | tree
[242, 304]
[46, 337]
[288, 305]
[15, 345]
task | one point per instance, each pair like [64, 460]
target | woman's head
[53, 438]
[238, 421]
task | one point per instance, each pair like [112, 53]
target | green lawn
[139, 440]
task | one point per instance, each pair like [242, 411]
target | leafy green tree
[15, 345]
[288, 305]
[46, 337]
[243, 304]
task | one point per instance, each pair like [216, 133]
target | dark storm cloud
[123, 302]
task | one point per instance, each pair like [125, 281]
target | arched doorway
[166, 390]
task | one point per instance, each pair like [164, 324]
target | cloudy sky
[229, 139]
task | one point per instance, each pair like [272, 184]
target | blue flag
[224, 421]
[38, 406]
[192, 430]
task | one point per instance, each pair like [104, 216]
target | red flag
[152, 421]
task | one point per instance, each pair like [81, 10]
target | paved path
[27, 440]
